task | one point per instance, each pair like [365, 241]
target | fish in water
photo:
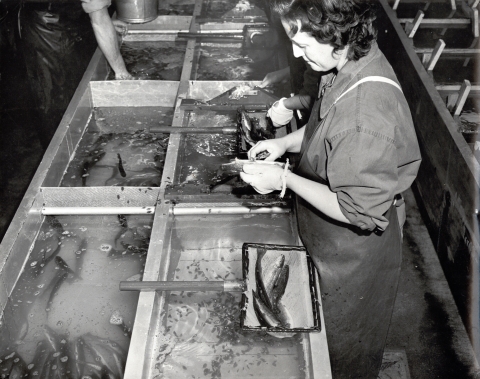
[120, 166]
[89, 162]
[103, 358]
[246, 126]
[55, 224]
[64, 266]
[56, 284]
[265, 316]
[12, 366]
[123, 221]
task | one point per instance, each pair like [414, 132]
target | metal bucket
[137, 11]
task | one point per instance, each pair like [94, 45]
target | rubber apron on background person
[359, 273]
[57, 43]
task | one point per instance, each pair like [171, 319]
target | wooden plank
[435, 55]
[473, 14]
[449, 89]
[462, 97]
[412, 26]
[451, 53]
[448, 180]
[474, 3]
[438, 23]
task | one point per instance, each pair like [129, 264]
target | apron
[359, 272]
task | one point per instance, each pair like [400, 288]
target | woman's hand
[278, 146]
[263, 177]
[275, 77]
[274, 147]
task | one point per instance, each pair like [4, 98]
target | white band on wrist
[284, 179]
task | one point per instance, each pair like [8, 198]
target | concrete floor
[426, 329]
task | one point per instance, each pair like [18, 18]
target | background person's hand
[279, 114]
[275, 77]
[121, 27]
[124, 76]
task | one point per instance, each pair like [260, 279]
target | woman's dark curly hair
[335, 22]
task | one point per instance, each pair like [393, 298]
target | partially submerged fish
[64, 266]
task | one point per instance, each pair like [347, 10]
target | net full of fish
[280, 293]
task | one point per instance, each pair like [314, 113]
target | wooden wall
[447, 183]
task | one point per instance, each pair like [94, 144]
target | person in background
[57, 42]
[303, 81]
[357, 154]
[106, 35]
[282, 111]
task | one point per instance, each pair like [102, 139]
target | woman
[358, 153]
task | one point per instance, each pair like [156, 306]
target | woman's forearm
[317, 194]
[293, 141]
[298, 102]
[106, 37]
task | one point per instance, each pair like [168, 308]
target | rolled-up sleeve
[90, 6]
[363, 171]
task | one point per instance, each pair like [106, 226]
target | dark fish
[85, 168]
[78, 355]
[140, 250]
[123, 221]
[279, 288]
[55, 366]
[64, 266]
[12, 366]
[55, 224]
[265, 316]
[120, 166]
[41, 368]
[106, 354]
[56, 283]
[89, 162]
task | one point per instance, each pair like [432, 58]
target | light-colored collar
[345, 77]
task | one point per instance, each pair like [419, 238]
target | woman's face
[318, 55]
